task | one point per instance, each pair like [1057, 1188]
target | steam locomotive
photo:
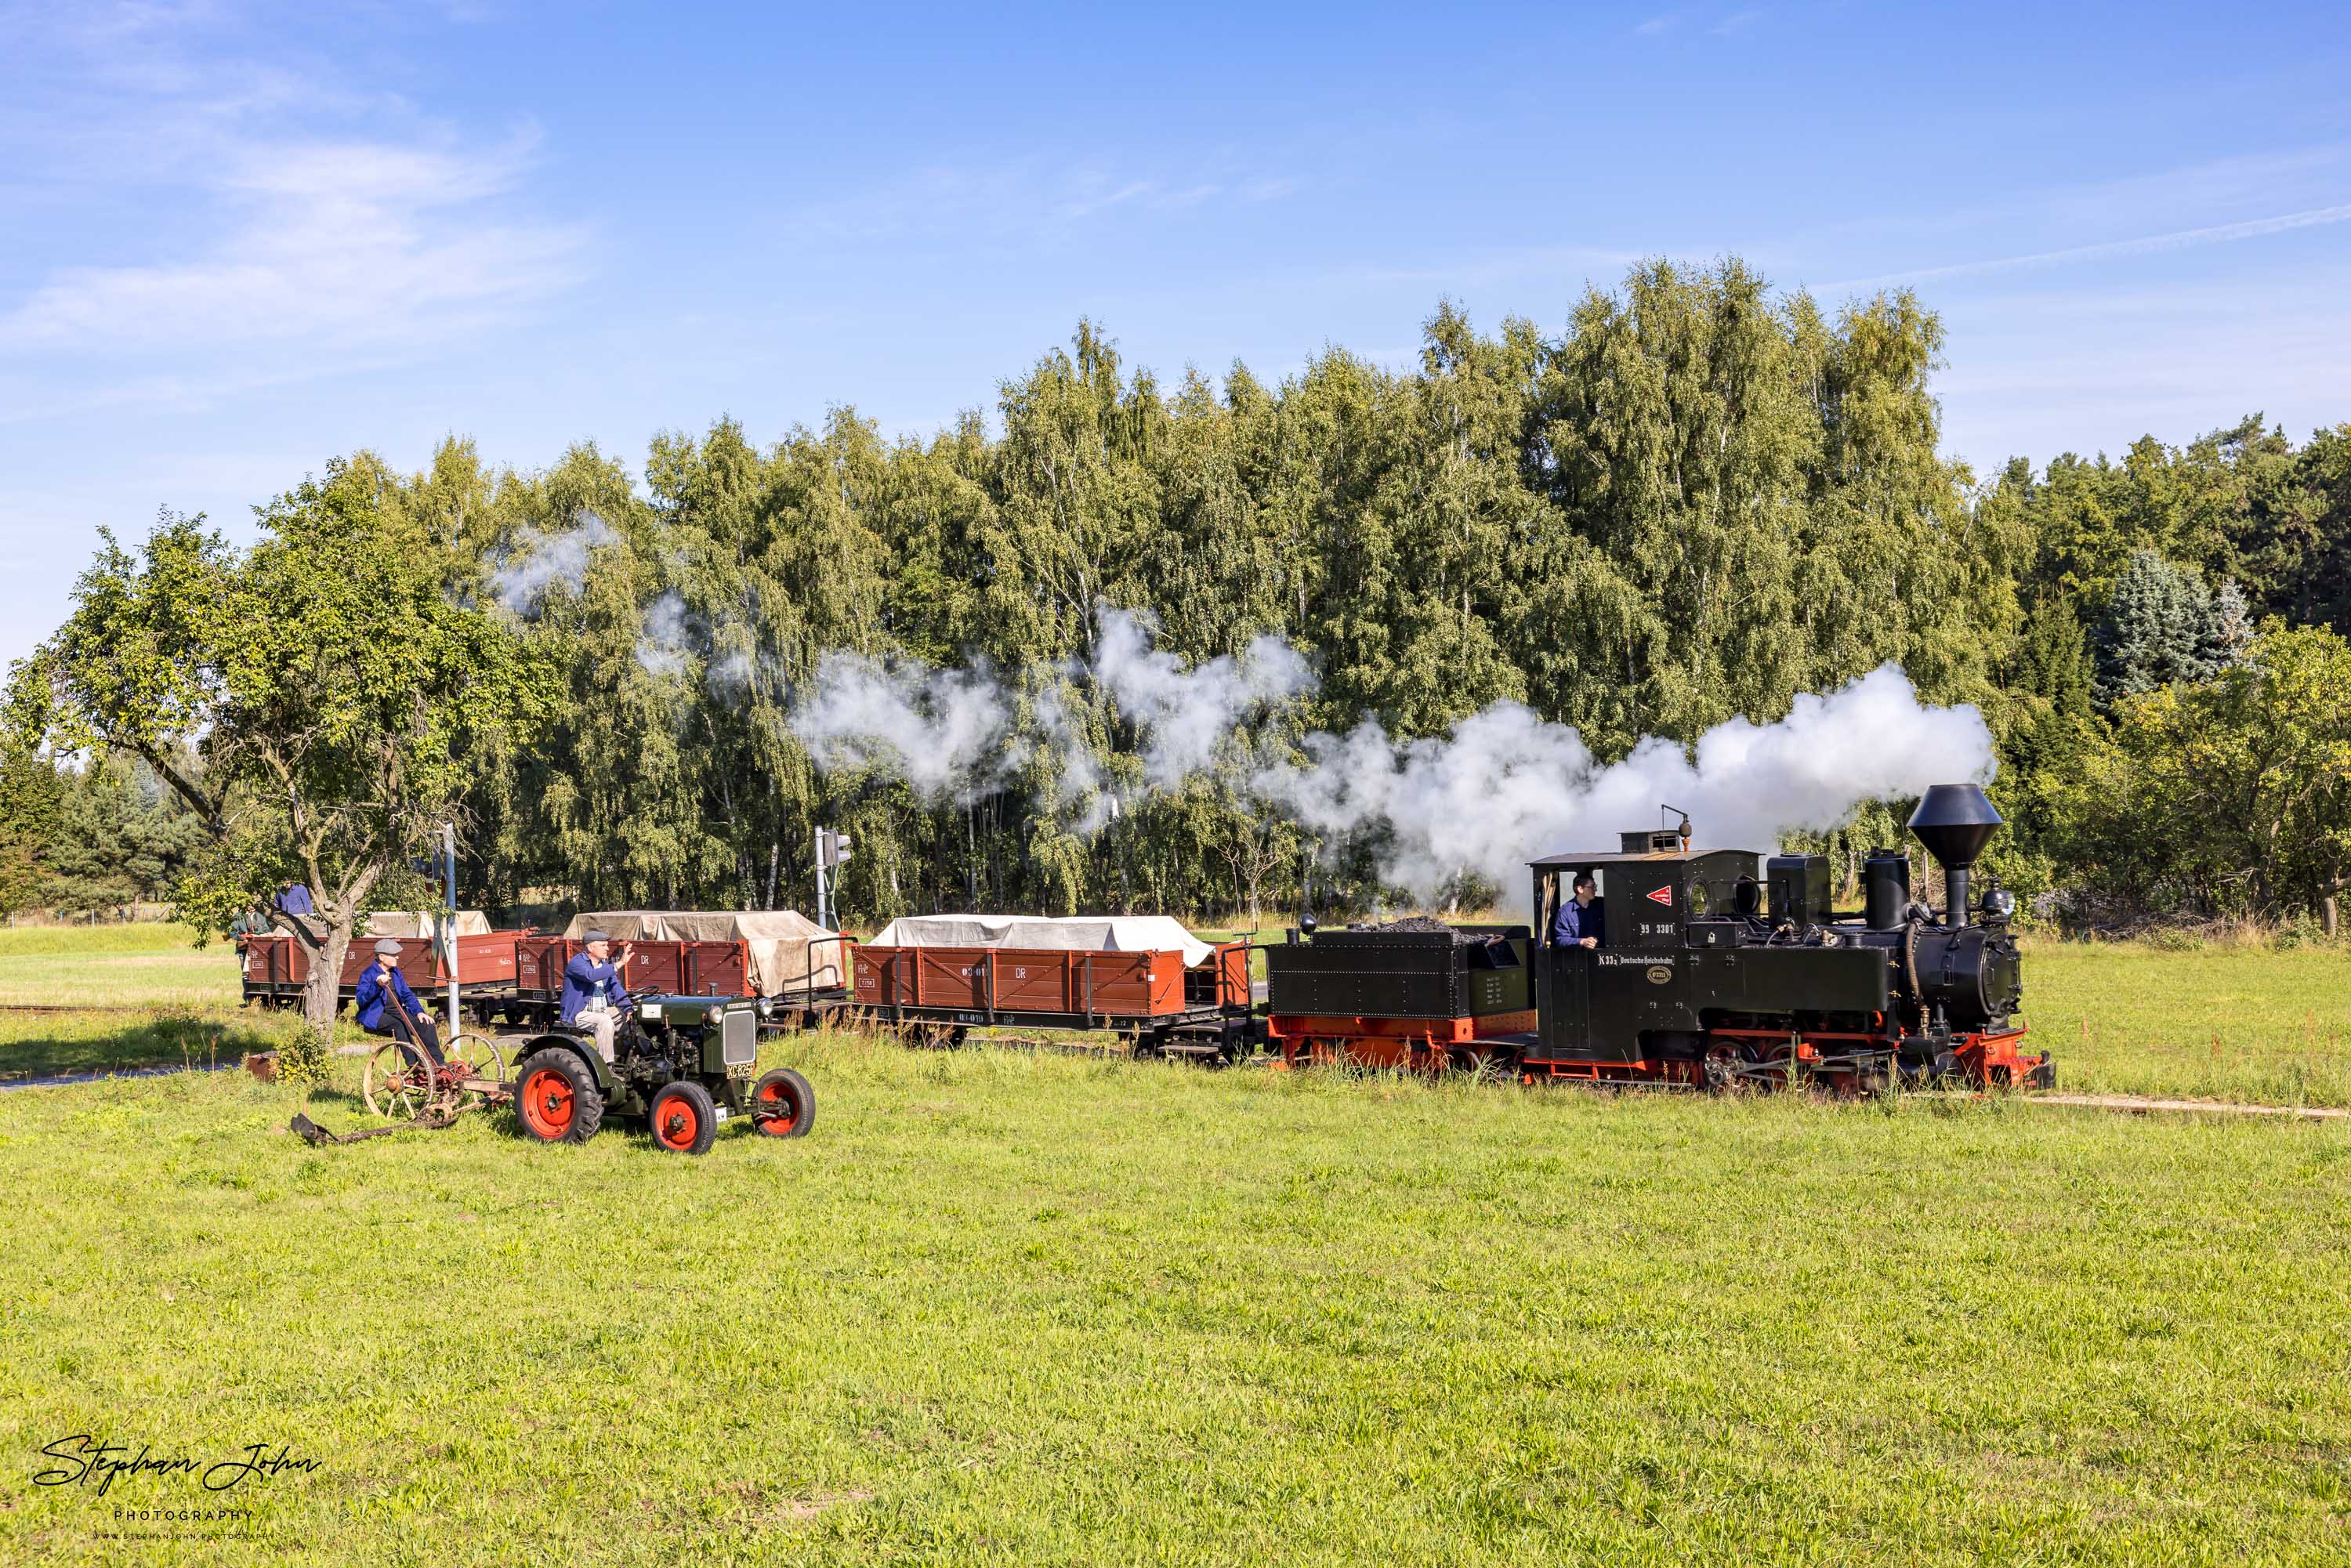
[1719, 967]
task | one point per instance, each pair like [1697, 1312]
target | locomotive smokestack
[1954, 821]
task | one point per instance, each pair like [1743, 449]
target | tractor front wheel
[556, 1100]
[782, 1104]
[684, 1118]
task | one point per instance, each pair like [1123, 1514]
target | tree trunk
[2329, 914]
[322, 992]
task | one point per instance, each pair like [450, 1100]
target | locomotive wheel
[782, 1104]
[556, 1100]
[398, 1083]
[684, 1118]
[1719, 1071]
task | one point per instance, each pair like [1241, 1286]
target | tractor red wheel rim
[548, 1103]
[677, 1125]
[777, 1114]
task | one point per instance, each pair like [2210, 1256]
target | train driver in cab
[1583, 920]
[594, 1000]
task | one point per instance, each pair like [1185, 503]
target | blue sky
[241, 239]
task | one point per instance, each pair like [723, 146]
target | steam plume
[1506, 786]
[666, 644]
[540, 561]
[1503, 788]
[1186, 714]
[940, 730]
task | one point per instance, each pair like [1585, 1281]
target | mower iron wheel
[684, 1118]
[555, 1098]
[398, 1084]
[782, 1104]
[478, 1057]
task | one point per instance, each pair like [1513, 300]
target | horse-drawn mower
[684, 1064]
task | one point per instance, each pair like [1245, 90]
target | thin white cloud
[334, 244]
[2179, 239]
[1020, 203]
[296, 222]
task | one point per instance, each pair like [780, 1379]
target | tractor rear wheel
[684, 1118]
[556, 1100]
[782, 1104]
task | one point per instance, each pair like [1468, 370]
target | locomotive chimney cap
[1954, 822]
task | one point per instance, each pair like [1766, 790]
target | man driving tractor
[594, 999]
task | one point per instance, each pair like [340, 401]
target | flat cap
[597, 936]
[388, 945]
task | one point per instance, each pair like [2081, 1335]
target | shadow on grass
[50, 1044]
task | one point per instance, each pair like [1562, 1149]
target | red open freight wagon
[1146, 978]
[276, 968]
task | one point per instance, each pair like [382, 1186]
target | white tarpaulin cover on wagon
[1078, 933]
[424, 923]
[788, 951]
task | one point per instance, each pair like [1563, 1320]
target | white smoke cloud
[1506, 786]
[947, 731]
[942, 731]
[729, 674]
[540, 561]
[1078, 778]
[1185, 716]
[665, 643]
[1503, 788]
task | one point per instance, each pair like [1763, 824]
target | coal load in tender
[1413, 969]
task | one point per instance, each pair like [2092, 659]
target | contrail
[2181, 239]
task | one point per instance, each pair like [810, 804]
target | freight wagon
[275, 968]
[1147, 980]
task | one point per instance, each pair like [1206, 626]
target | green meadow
[1016, 1306]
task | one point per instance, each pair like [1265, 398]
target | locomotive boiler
[1716, 967]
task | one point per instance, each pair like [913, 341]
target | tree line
[1697, 500]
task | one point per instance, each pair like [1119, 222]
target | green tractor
[683, 1063]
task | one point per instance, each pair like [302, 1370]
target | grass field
[108, 965]
[1013, 1307]
[2217, 1022]
[1020, 1307]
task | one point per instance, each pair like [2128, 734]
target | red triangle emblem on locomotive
[1663, 895]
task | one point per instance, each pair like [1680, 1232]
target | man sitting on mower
[594, 1000]
[386, 1005]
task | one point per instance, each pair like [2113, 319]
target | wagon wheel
[398, 1084]
[474, 1055]
[932, 1036]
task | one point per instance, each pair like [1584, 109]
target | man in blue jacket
[593, 998]
[1583, 920]
[386, 1006]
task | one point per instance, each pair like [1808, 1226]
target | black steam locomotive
[1716, 968]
